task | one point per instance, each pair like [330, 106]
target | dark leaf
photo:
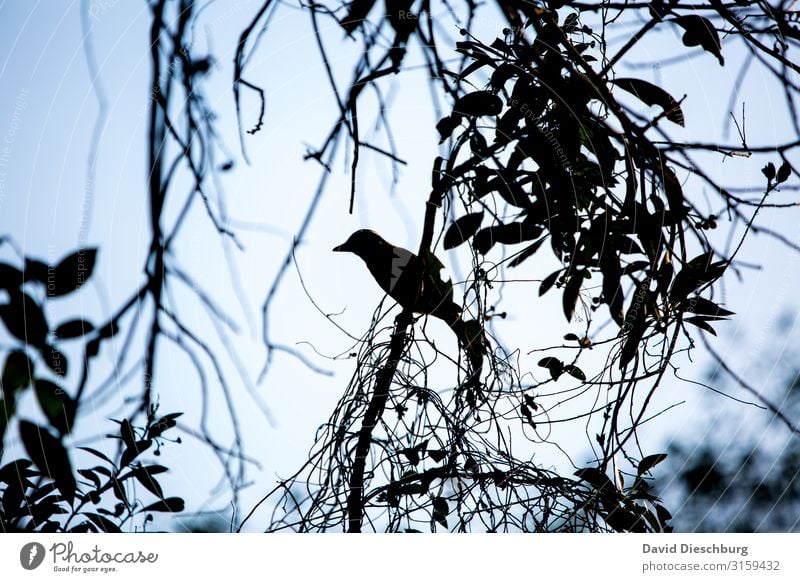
[73, 329]
[436, 454]
[36, 271]
[17, 372]
[769, 171]
[163, 424]
[56, 404]
[700, 32]
[447, 126]
[10, 277]
[548, 282]
[171, 504]
[90, 475]
[554, 365]
[462, 229]
[127, 433]
[97, 454]
[784, 172]
[571, 292]
[478, 103]
[72, 272]
[133, 451]
[596, 478]
[440, 510]
[24, 319]
[49, 455]
[653, 95]
[697, 272]
[702, 306]
[145, 476]
[649, 462]
[16, 470]
[702, 323]
[527, 253]
[55, 360]
[103, 523]
[635, 324]
[412, 454]
[575, 372]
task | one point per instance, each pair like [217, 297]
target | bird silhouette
[418, 285]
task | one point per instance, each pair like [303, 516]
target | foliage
[41, 491]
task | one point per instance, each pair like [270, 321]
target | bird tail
[473, 341]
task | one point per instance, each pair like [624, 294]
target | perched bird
[396, 270]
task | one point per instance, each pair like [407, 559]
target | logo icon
[31, 555]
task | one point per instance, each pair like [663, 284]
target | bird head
[361, 243]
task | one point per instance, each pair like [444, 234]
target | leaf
[55, 360]
[784, 172]
[24, 319]
[7, 411]
[649, 462]
[554, 365]
[17, 372]
[697, 272]
[134, 450]
[103, 523]
[769, 171]
[447, 126]
[702, 323]
[56, 404]
[527, 253]
[548, 282]
[49, 455]
[127, 433]
[507, 234]
[700, 32]
[163, 424]
[635, 324]
[440, 510]
[10, 277]
[97, 454]
[571, 291]
[702, 306]
[478, 103]
[171, 504]
[436, 454]
[462, 229]
[73, 329]
[90, 475]
[144, 475]
[36, 271]
[653, 95]
[72, 272]
[412, 454]
[596, 478]
[575, 372]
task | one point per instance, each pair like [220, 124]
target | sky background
[53, 200]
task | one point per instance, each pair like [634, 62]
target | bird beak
[342, 248]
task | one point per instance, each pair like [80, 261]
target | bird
[397, 271]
